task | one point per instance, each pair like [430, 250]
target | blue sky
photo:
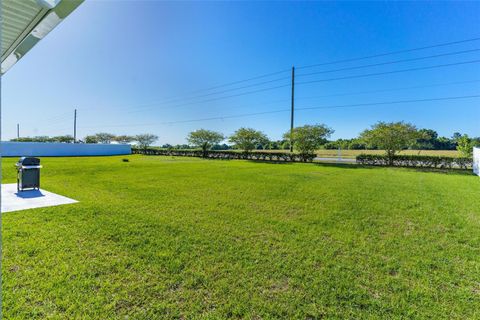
[129, 67]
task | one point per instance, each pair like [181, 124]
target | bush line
[230, 155]
[415, 161]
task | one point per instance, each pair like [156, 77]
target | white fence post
[476, 161]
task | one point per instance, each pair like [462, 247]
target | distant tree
[392, 137]
[104, 137]
[465, 145]
[145, 140]
[204, 139]
[357, 144]
[476, 142]
[456, 136]
[124, 139]
[247, 139]
[273, 145]
[285, 145]
[428, 140]
[42, 139]
[262, 145]
[222, 146]
[91, 139]
[63, 139]
[444, 143]
[33, 139]
[308, 138]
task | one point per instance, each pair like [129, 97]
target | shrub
[415, 161]
[229, 154]
[465, 146]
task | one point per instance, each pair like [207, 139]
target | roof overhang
[26, 22]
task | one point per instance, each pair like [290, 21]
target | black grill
[28, 173]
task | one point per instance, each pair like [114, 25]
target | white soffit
[26, 22]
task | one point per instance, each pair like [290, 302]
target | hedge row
[228, 155]
[415, 161]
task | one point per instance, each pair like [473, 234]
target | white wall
[476, 161]
[38, 149]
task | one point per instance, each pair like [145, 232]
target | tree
[33, 139]
[392, 137]
[428, 141]
[465, 145]
[247, 139]
[124, 139]
[222, 146]
[444, 143]
[64, 139]
[104, 137]
[145, 140]
[308, 138]
[204, 139]
[91, 139]
[456, 136]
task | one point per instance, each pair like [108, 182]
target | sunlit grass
[161, 237]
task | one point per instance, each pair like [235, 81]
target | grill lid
[28, 161]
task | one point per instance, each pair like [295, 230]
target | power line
[301, 108]
[245, 80]
[390, 53]
[56, 117]
[174, 99]
[322, 80]
[388, 62]
[390, 102]
[169, 100]
[318, 72]
[233, 89]
[330, 79]
[220, 98]
[391, 72]
[389, 90]
[355, 93]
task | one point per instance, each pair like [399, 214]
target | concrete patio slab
[15, 201]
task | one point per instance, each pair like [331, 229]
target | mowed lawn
[185, 238]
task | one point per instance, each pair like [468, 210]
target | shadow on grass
[463, 172]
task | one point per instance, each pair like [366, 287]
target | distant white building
[476, 161]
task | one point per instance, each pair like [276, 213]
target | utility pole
[75, 126]
[293, 109]
[18, 130]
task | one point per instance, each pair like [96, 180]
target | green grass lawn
[185, 238]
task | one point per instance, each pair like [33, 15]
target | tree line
[430, 141]
[389, 136]
[306, 139]
[142, 140]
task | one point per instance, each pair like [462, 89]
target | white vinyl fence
[40, 149]
[476, 161]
